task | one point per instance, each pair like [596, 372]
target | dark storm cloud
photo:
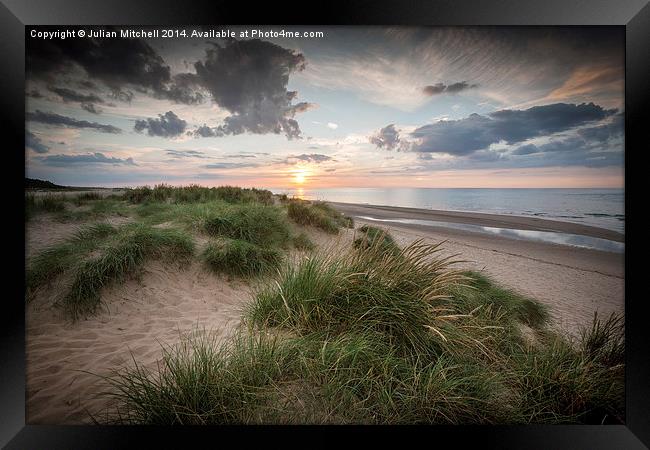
[453, 88]
[388, 138]
[166, 125]
[84, 160]
[313, 157]
[34, 143]
[476, 132]
[249, 79]
[59, 120]
[117, 63]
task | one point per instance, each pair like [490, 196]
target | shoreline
[477, 219]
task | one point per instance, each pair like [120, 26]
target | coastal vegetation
[248, 233]
[384, 337]
[372, 333]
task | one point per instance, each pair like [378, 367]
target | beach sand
[165, 301]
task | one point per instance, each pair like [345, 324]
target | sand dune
[139, 316]
[166, 301]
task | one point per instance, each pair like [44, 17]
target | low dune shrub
[255, 223]
[242, 258]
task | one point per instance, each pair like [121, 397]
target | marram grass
[102, 254]
[238, 257]
[383, 338]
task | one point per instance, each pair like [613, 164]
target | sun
[300, 176]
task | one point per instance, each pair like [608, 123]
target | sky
[525, 107]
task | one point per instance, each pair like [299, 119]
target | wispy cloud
[84, 160]
[59, 120]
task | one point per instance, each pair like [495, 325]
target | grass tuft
[373, 236]
[241, 258]
[48, 203]
[121, 257]
[257, 224]
[372, 337]
[319, 215]
[101, 254]
[302, 242]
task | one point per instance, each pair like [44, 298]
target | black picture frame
[634, 15]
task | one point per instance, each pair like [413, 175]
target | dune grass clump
[339, 218]
[485, 293]
[242, 258]
[574, 382]
[120, 257]
[373, 236]
[48, 203]
[397, 296]
[85, 197]
[202, 381]
[255, 223]
[302, 242]
[62, 257]
[195, 193]
[93, 210]
[373, 337]
[303, 212]
[100, 254]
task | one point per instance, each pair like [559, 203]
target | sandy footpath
[166, 301]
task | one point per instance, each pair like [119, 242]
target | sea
[604, 208]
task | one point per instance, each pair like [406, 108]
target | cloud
[316, 158]
[84, 160]
[332, 125]
[68, 95]
[178, 154]
[86, 101]
[388, 138]
[453, 88]
[167, 125]
[246, 155]
[91, 108]
[605, 132]
[117, 63]
[512, 66]
[35, 93]
[477, 132]
[206, 131]
[226, 165]
[59, 120]
[249, 79]
[33, 142]
[602, 140]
